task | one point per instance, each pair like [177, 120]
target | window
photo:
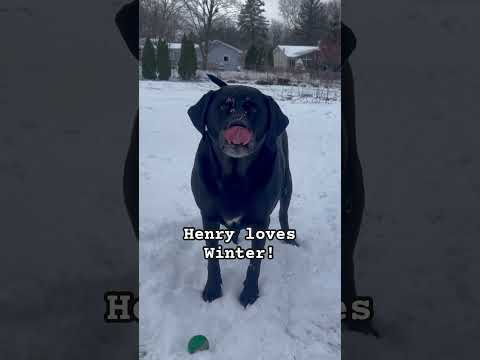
[226, 59]
[307, 60]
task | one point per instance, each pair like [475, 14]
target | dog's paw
[365, 327]
[235, 238]
[248, 296]
[211, 292]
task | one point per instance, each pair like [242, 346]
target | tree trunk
[204, 59]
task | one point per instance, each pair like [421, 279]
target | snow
[298, 313]
[178, 46]
[296, 51]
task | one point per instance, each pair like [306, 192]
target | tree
[311, 24]
[289, 9]
[187, 64]
[276, 33]
[163, 60]
[329, 55]
[226, 30]
[269, 57]
[201, 17]
[192, 55]
[261, 55]
[160, 18]
[251, 22]
[251, 58]
[148, 61]
[333, 18]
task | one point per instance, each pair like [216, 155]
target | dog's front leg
[213, 287]
[250, 286]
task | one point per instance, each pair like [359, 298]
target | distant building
[286, 56]
[221, 56]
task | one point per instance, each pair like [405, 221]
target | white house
[286, 56]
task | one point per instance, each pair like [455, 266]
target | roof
[178, 46]
[294, 51]
[218, 42]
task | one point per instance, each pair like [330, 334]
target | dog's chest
[233, 222]
[233, 206]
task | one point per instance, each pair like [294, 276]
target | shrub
[187, 65]
[148, 61]
[163, 61]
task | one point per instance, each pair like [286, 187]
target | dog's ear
[278, 122]
[216, 80]
[198, 112]
[127, 22]
[349, 43]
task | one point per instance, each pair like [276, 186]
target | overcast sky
[271, 10]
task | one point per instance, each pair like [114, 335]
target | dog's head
[238, 119]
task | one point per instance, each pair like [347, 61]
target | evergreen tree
[192, 57]
[269, 57]
[251, 22]
[148, 61]
[312, 22]
[251, 57]
[187, 65]
[163, 61]
[182, 62]
[261, 58]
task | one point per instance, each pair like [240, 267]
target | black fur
[216, 80]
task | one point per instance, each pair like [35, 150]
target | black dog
[241, 171]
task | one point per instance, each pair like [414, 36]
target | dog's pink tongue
[237, 135]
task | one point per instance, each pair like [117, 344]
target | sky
[271, 10]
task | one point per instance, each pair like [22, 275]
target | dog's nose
[238, 118]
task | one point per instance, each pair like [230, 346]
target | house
[221, 56]
[285, 57]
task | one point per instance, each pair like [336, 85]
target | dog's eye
[226, 107]
[227, 104]
[249, 106]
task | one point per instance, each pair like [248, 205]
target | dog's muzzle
[237, 131]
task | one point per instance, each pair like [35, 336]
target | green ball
[197, 343]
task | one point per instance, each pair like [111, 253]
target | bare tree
[277, 32]
[201, 16]
[146, 9]
[160, 18]
[170, 17]
[289, 9]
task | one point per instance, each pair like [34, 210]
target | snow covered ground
[297, 316]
